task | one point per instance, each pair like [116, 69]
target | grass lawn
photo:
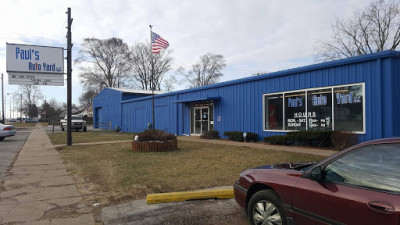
[95, 136]
[113, 173]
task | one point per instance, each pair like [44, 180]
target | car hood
[295, 165]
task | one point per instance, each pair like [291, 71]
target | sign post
[42, 65]
[69, 83]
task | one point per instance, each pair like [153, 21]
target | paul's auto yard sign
[35, 65]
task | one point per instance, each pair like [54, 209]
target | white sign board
[35, 65]
[34, 79]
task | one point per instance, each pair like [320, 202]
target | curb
[189, 195]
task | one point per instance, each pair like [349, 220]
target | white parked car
[77, 123]
[6, 131]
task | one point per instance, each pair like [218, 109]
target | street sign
[35, 65]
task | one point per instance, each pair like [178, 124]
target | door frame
[200, 106]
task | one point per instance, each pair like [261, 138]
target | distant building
[84, 111]
[359, 94]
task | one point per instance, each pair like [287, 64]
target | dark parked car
[359, 185]
[30, 120]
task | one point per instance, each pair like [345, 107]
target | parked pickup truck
[77, 123]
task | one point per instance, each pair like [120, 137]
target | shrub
[155, 135]
[341, 140]
[251, 137]
[311, 138]
[212, 134]
[234, 135]
[277, 140]
[238, 136]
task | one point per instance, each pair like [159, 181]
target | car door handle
[381, 207]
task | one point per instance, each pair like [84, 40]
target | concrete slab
[40, 222]
[65, 201]
[24, 169]
[39, 190]
[39, 161]
[84, 219]
[48, 193]
[28, 211]
[37, 180]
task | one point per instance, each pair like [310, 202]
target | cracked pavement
[39, 190]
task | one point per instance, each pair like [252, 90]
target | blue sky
[253, 35]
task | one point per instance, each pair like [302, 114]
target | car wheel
[2, 138]
[84, 129]
[266, 208]
[62, 128]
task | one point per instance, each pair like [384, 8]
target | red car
[357, 186]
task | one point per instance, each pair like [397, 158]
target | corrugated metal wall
[240, 107]
[108, 103]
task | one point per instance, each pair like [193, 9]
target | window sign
[295, 111]
[274, 110]
[330, 108]
[349, 108]
[319, 109]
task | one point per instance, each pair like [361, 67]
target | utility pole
[69, 83]
[2, 98]
[21, 110]
[10, 103]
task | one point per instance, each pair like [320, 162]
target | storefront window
[348, 103]
[319, 109]
[295, 111]
[274, 112]
[330, 108]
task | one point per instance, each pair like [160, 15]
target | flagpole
[152, 73]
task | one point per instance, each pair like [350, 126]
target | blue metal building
[359, 94]
[107, 105]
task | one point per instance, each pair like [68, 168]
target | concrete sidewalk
[38, 188]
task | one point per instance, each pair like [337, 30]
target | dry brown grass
[113, 173]
[85, 137]
[25, 125]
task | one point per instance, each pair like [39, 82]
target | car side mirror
[316, 174]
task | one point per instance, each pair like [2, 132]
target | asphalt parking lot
[10, 147]
[201, 212]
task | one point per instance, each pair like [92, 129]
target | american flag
[158, 43]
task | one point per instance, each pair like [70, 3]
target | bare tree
[205, 72]
[104, 63]
[86, 98]
[170, 83]
[375, 29]
[31, 95]
[141, 59]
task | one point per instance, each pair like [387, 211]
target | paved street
[10, 147]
